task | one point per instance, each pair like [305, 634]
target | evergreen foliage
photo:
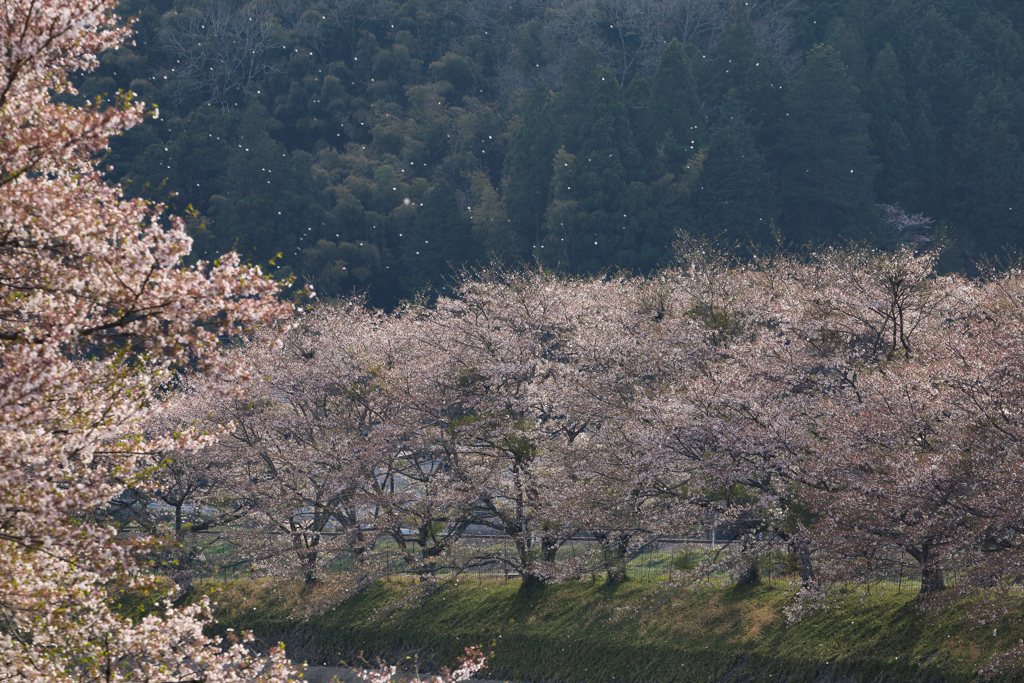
[528, 166]
[439, 242]
[738, 197]
[347, 107]
[672, 129]
[829, 176]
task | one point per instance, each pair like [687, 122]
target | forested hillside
[374, 144]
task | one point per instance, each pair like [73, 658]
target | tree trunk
[616, 562]
[802, 554]
[427, 570]
[530, 581]
[307, 554]
[182, 574]
[179, 531]
[616, 574]
[549, 548]
[932, 580]
[751, 576]
[309, 567]
[527, 569]
[613, 552]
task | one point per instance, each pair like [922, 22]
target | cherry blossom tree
[305, 458]
[96, 311]
[746, 427]
[721, 422]
[181, 504]
[488, 404]
[879, 318]
[923, 461]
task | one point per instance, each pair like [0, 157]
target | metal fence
[665, 559]
[493, 556]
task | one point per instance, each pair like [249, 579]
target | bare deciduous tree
[696, 20]
[638, 35]
[219, 48]
[773, 26]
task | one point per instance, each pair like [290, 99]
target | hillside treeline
[854, 411]
[373, 144]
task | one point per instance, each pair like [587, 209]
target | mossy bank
[640, 631]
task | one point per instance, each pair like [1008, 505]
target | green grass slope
[640, 631]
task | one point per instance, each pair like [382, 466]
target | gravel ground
[324, 674]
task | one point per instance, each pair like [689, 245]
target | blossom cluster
[96, 310]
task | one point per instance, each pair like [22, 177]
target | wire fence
[495, 557]
[657, 561]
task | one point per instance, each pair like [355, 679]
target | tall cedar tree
[527, 172]
[987, 179]
[927, 182]
[886, 101]
[848, 43]
[569, 107]
[828, 188]
[736, 52]
[606, 163]
[670, 138]
[440, 242]
[491, 229]
[741, 65]
[561, 218]
[737, 199]
[672, 129]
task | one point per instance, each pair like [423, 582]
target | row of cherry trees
[850, 407]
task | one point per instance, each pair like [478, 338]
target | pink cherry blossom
[96, 310]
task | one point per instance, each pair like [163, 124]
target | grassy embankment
[639, 631]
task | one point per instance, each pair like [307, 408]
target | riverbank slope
[639, 631]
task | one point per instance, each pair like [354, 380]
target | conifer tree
[670, 138]
[924, 145]
[581, 79]
[886, 94]
[987, 181]
[829, 176]
[741, 64]
[850, 45]
[736, 52]
[637, 96]
[672, 127]
[737, 198]
[886, 101]
[440, 241]
[560, 234]
[491, 229]
[527, 172]
[607, 161]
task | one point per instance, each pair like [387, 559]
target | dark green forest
[377, 145]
